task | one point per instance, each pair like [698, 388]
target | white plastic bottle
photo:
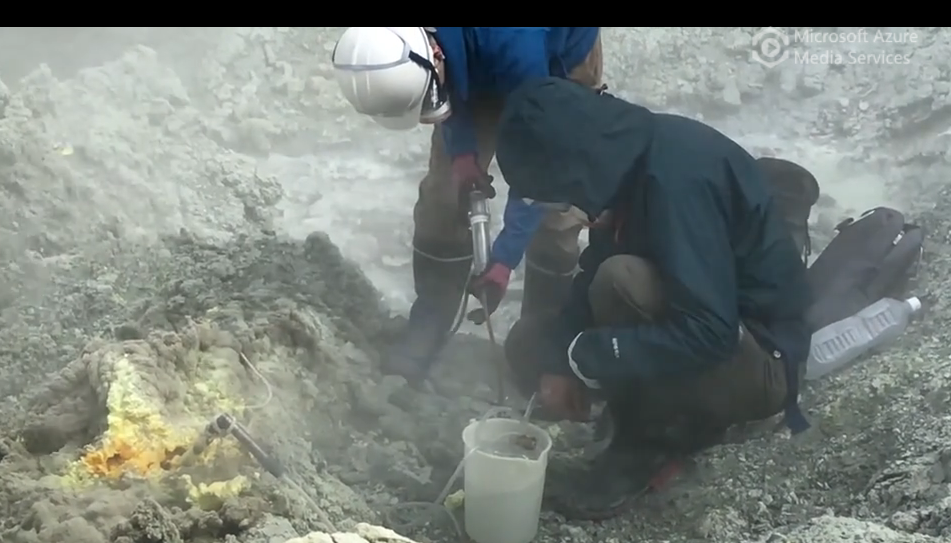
[840, 343]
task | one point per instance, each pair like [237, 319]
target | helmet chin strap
[436, 107]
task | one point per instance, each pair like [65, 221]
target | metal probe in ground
[225, 423]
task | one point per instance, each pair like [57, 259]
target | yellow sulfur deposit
[142, 439]
[455, 500]
[211, 496]
[138, 439]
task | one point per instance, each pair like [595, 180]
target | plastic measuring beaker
[504, 479]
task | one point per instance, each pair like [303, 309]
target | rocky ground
[157, 255]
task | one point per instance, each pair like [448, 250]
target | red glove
[491, 287]
[467, 175]
[564, 397]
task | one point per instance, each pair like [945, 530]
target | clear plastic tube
[438, 505]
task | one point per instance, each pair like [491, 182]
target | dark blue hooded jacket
[496, 59]
[683, 196]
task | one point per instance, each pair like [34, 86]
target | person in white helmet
[457, 78]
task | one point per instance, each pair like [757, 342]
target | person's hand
[565, 397]
[489, 287]
[467, 175]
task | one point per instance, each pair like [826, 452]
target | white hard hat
[388, 73]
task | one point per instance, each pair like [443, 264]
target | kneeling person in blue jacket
[457, 78]
[688, 313]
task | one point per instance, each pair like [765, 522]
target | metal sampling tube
[481, 246]
[240, 433]
[479, 222]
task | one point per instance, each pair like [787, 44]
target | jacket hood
[562, 142]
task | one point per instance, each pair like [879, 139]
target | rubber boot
[440, 274]
[546, 289]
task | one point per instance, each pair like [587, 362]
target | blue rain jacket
[497, 59]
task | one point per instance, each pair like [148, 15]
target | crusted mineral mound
[120, 434]
[122, 345]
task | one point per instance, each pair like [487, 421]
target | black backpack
[871, 257]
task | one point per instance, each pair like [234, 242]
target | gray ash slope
[83, 257]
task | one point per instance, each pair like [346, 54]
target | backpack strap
[844, 223]
[792, 413]
[901, 264]
[793, 364]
